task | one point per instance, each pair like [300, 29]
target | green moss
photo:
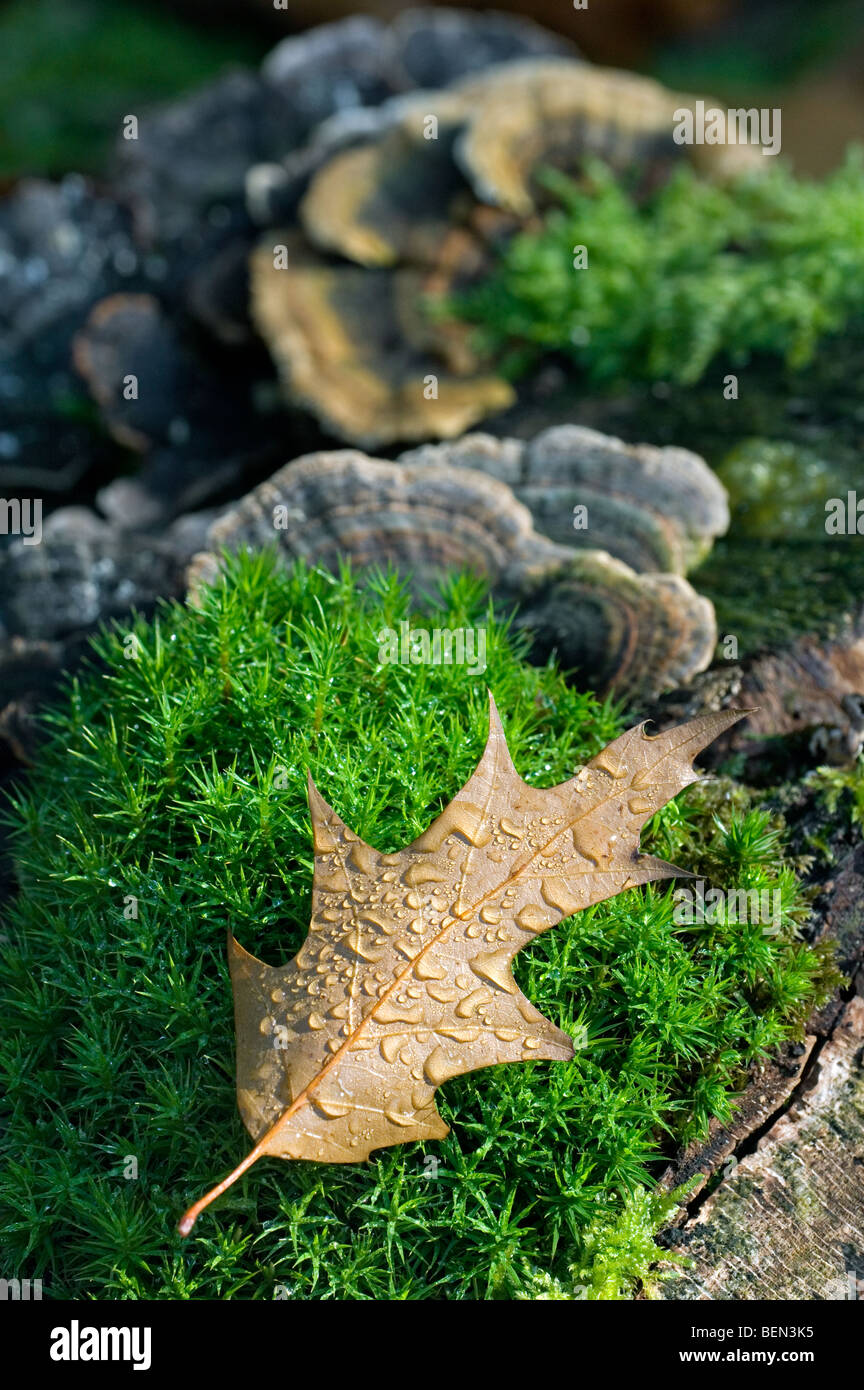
[169, 803]
[765, 44]
[778, 489]
[617, 1251]
[769, 264]
[779, 573]
[69, 72]
[765, 593]
[842, 790]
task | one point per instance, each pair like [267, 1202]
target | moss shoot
[768, 264]
[168, 804]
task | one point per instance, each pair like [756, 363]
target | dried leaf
[405, 979]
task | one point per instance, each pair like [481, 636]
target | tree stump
[787, 1220]
[779, 1213]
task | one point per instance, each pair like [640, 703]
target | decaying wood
[840, 911]
[766, 1094]
[812, 684]
[778, 1105]
[812, 689]
[787, 1222]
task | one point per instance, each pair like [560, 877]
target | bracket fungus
[385, 197]
[196, 154]
[636, 633]
[552, 114]
[655, 509]
[488, 135]
[127, 336]
[391, 198]
[352, 347]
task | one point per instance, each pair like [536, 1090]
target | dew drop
[363, 858]
[428, 969]
[408, 949]
[460, 1035]
[466, 1007]
[332, 1109]
[610, 767]
[420, 873]
[443, 994]
[437, 1066]
[494, 966]
[396, 1118]
[389, 1011]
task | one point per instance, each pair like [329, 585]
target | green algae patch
[767, 592]
[778, 489]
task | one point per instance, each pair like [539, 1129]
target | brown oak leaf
[405, 978]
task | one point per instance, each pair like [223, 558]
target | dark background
[70, 69]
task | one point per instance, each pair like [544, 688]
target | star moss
[168, 803]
